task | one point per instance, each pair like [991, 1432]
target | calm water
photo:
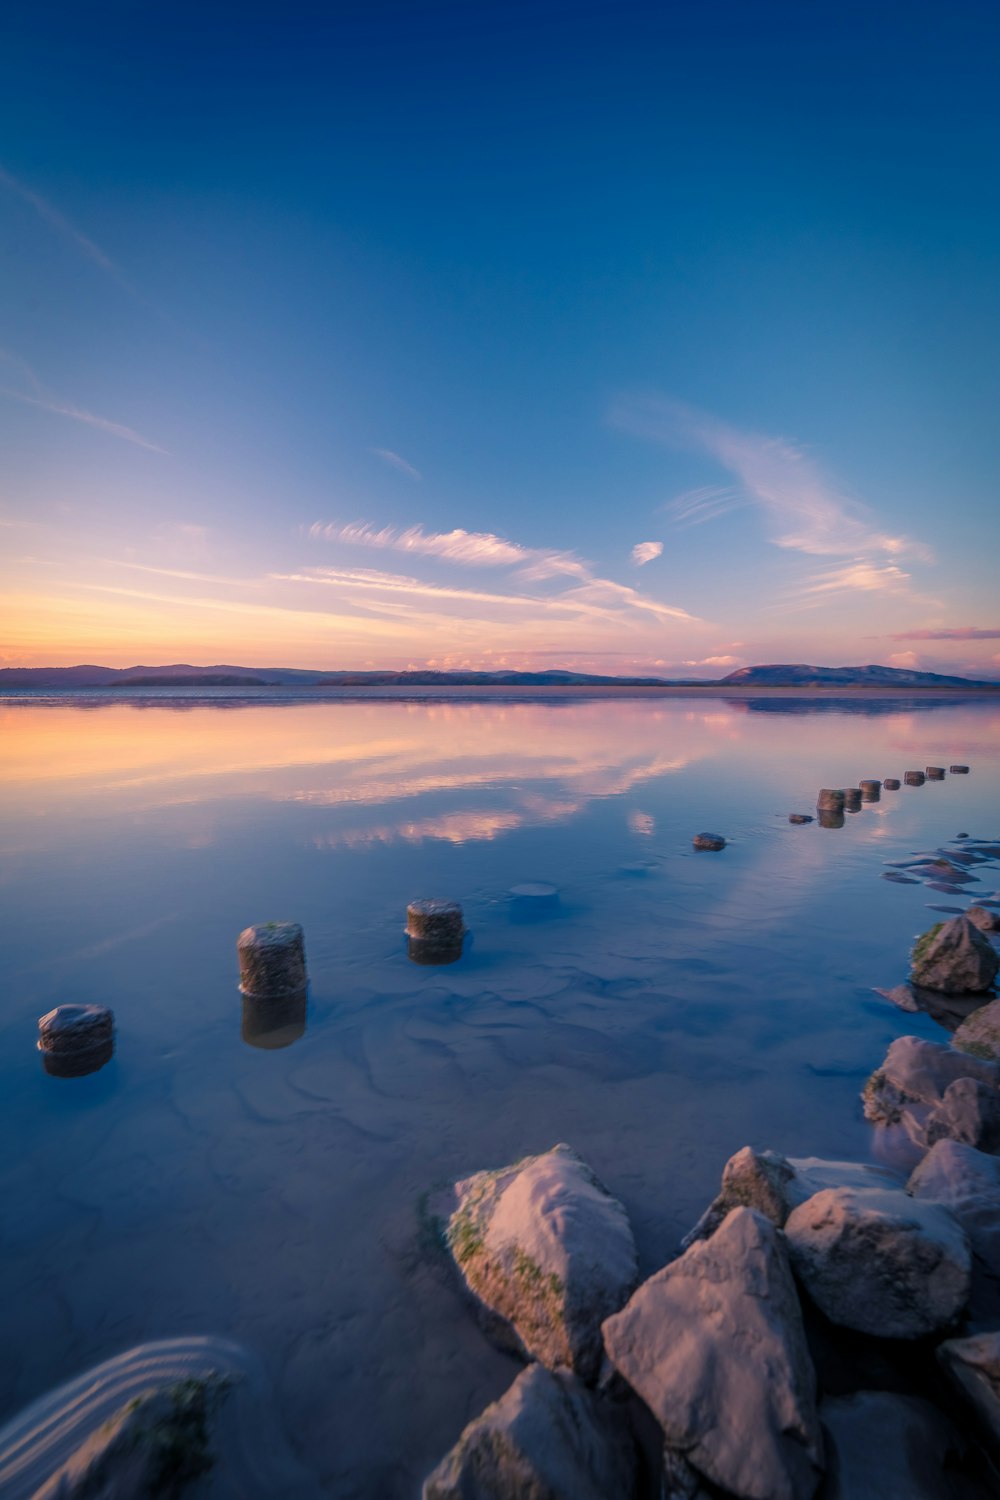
[672, 1008]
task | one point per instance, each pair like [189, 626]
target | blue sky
[383, 334]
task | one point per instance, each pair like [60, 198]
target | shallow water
[670, 1008]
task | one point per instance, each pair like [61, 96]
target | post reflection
[275, 1023]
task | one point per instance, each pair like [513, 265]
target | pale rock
[954, 956]
[877, 1261]
[979, 1034]
[974, 1366]
[773, 1185]
[967, 1182]
[882, 1446]
[547, 1438]
[969, 1112]
[986, 921]
[912, 1081]
[714, 1345]
[544, 1245]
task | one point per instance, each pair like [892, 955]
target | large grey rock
[544, 1246]
[547, 1438]
[156, 1420]
[954, 956]
[881, 1446]
[967, 1182]
[969, 1112]
[714, 1345]
[773, 1185]
[979, 1034]
[912, 1081]
[877, 1261]
[974, 1366]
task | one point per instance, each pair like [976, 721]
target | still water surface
[671, 1008]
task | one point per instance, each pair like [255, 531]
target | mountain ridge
[796, 674]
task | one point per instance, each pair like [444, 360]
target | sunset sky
[613, 336]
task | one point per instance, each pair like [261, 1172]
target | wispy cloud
[705, 503]
[859, 575]
[805, 510]
[59, 222]
[89, 418]
[957, 633]
[588, 593]
[478, 549]
[395, 462]
[646, 552]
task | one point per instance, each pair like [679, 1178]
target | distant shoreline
[307, 693]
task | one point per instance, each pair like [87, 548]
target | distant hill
[800, 675]
[184, 675]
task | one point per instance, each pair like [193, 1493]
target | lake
[669, 1007]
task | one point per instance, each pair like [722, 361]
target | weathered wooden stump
[435, 931]
[890, 784]
[272, 960]
[914, 778]
[870, 791]
[935, 773]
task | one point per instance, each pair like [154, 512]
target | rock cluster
[715, 1344]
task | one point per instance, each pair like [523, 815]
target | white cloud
[805, 510]
[484, 549]
[904, 659]
[480, 549]
[395, 462]
[64, 409]
[59, 222]
[645, 552]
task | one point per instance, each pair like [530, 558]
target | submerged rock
[882, 1446]
[948, 1010]
[709, 841]
[979, 1034]
[877, 1261]
[150, 1422]
[714, 1345]
[76, 1039]
[801, 818]
[547, 1437]
[543, 1245]
[973, 1364]
[954, 956]
[967, 1182]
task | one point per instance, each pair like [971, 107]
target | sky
[627, 338]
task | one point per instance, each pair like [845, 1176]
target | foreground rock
[714, 1345]
[773, 1185]
[986, 921]
[967, 1182]
[912, 1080]
[954, 956]
[979, 1034]
[974, 1366]
[163, 1417]
[547, 1437]
[881, 1446]
[877, 1261]
[543, 1245]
